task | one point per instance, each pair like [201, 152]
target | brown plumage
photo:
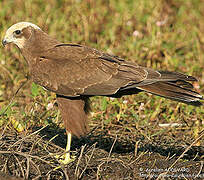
[75, 72]
[74, 113]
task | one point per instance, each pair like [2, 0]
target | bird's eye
[17, 32]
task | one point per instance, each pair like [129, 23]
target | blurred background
[162, 34]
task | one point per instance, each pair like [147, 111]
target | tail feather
[172, 85]
[172, 90]
[175, 76]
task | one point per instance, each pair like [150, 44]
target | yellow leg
[67, 157]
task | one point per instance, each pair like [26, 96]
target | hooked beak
[4, 42]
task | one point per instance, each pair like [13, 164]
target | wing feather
[79, 70]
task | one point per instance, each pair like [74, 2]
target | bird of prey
[76, 72]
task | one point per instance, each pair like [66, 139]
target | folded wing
[78, 70]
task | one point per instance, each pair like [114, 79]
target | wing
[74, 70]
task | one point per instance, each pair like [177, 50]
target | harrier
[76, 72]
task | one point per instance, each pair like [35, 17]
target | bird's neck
[40, 42]
[37, 46]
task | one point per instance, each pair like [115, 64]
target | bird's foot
[66, 158]
[63, 159]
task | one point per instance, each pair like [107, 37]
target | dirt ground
[99, 155]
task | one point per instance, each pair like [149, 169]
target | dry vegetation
[128, 138]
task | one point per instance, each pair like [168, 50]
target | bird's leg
[68, 147]
[67, 157]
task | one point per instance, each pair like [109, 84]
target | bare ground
[100, 155]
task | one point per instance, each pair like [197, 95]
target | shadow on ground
[121, 146]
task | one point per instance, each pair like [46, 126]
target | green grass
[160, 34]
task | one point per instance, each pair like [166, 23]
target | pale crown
[13, 33]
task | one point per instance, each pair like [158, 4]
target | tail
[74, 114]
[173, 86]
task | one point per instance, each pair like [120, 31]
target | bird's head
[19, 33]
